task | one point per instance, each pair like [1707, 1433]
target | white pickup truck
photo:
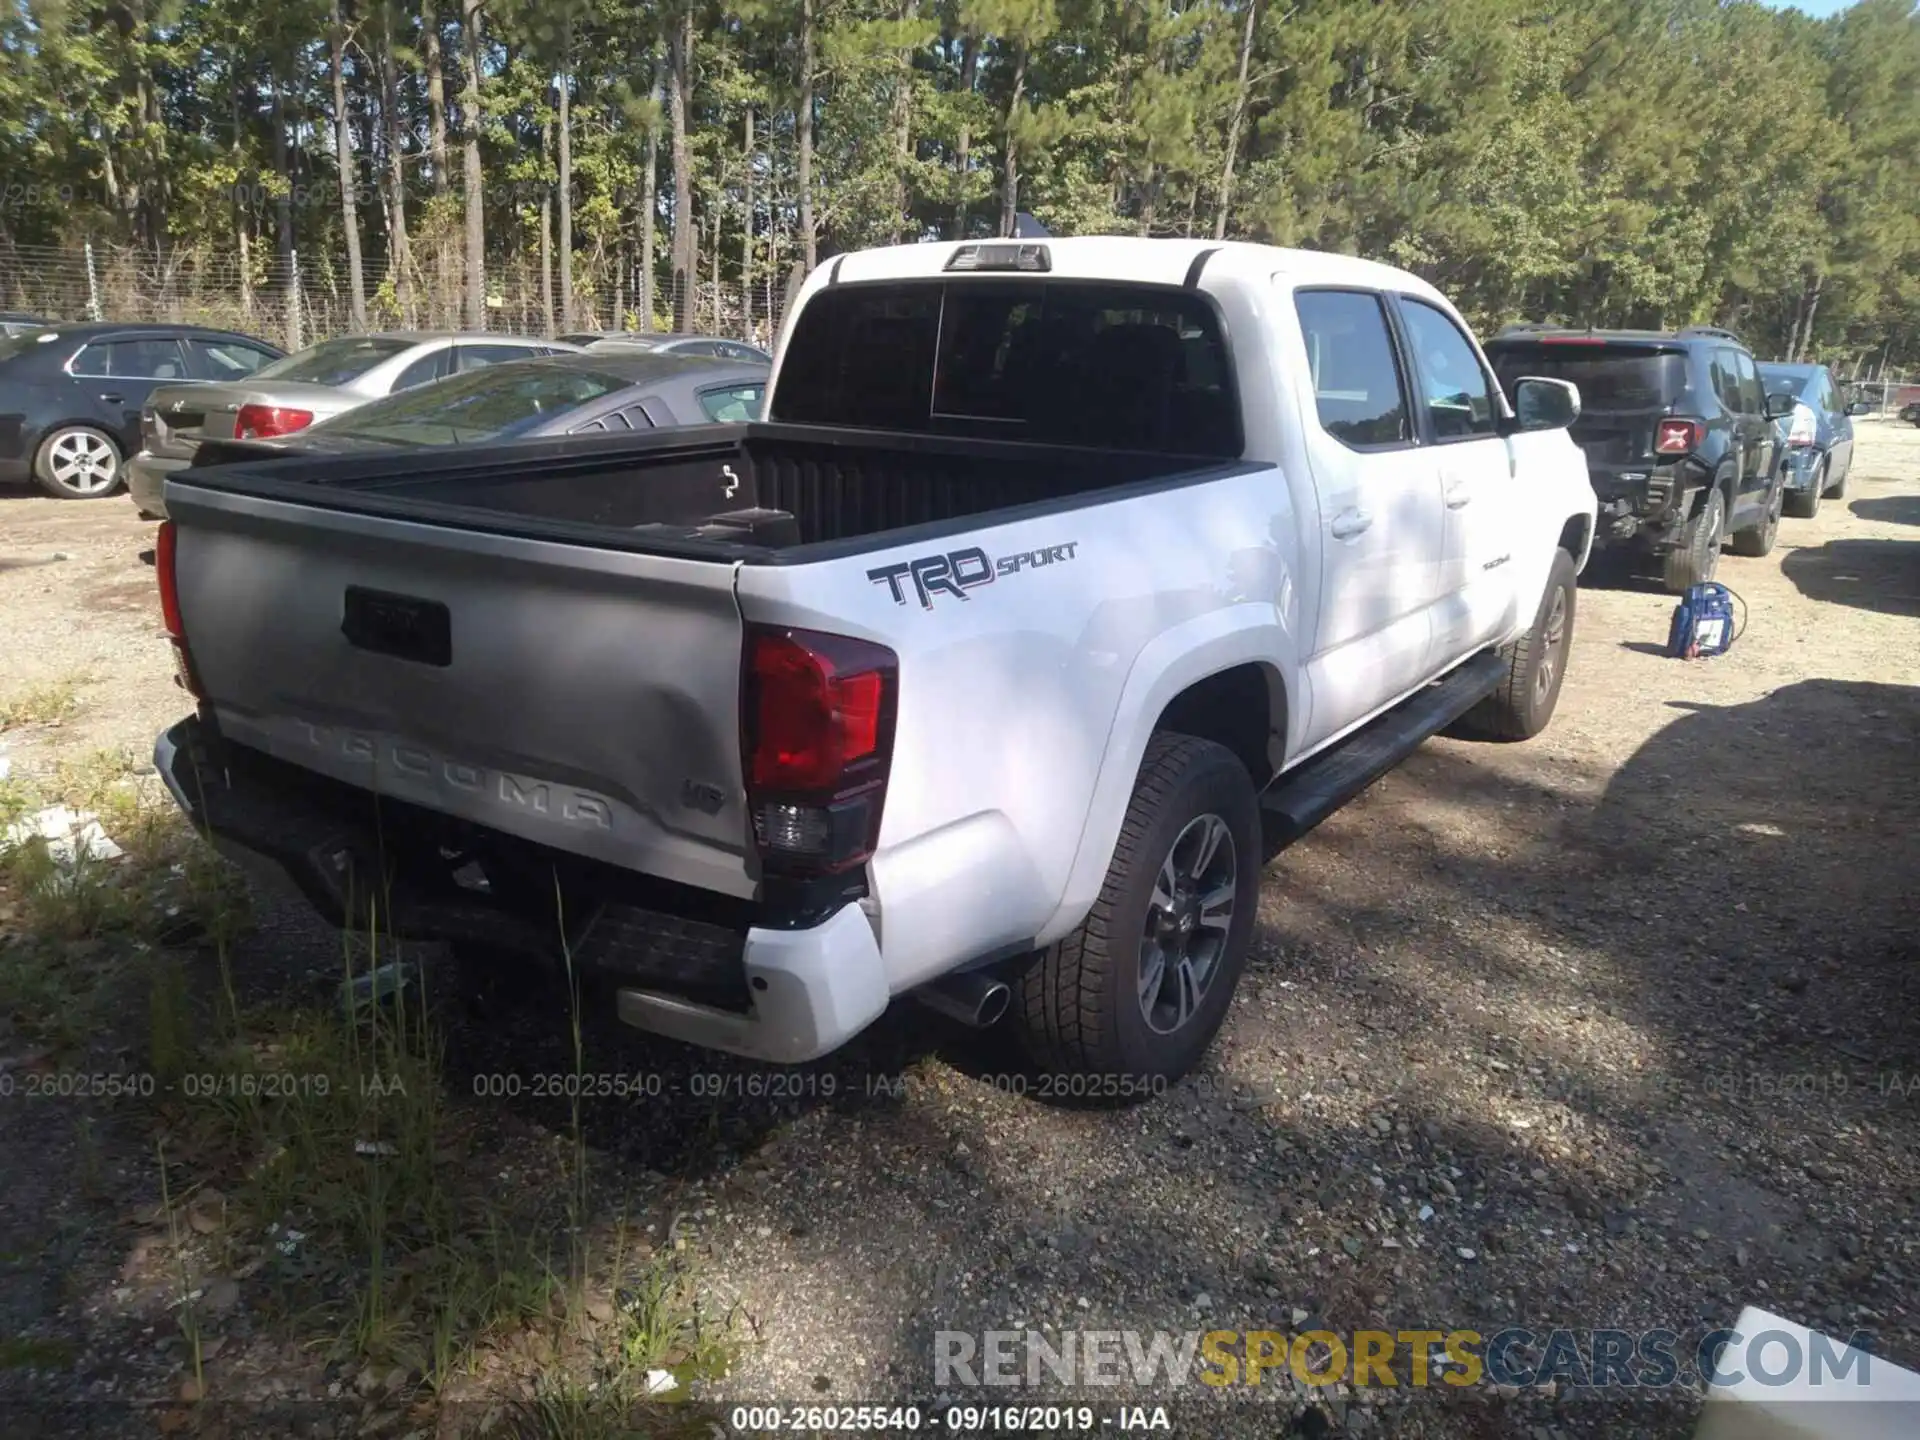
[1064, 582]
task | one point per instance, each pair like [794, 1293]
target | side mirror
[1860, 407]
[1780, 405]
[1542, 404]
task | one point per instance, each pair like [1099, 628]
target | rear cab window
[1064, 362]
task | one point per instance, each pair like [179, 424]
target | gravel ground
[1616, 1028]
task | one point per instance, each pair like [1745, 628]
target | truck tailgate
[581, 698]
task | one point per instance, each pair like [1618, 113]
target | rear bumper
[1802, 463]
[684, 964]
[1648, 508]
[147, 481]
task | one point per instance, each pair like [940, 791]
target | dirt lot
[1614, 1029]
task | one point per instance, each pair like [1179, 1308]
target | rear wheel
[77, 462]
[1536, 666]
[1805, 504]
[1141, 988]
[1758, 539]
[1698, 554]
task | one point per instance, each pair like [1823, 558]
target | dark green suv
[1678, 433]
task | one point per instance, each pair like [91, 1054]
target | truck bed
[752, 490]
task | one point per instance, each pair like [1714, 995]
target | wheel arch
[1192, 674]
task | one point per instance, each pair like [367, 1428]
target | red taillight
[1677, 437]
[817, 731]
[263, 422]
[164, 551]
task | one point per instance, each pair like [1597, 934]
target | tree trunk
[1813, 309]
[649, 206]
[475, 180]
[746, 233]
[619, 321]
[713, 272]
[902, 127]
[1010, 169]
[1225, 201]
[566, 174]
[433, 61]
[436, 67]
[349, 175]
[546, 242]
[242, 208]
[684, 260]
[399, 247]
[283, 200]
[969, 69]
[803, 127]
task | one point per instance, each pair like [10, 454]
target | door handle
[1458, 493]
[1349, 523]
[114, 399]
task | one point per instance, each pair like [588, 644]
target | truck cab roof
[1131, 259]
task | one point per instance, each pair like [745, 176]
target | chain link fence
[305, 298]
[1889, 395]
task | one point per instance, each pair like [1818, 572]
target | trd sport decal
[959, 571]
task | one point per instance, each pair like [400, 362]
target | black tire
[1536, 667]
[1839, 490]
[78, 462]
[1758, 540]
[1698, 555]
[1078, 1004]
[1805, 504]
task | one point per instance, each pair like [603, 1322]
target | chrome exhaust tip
[972, 997]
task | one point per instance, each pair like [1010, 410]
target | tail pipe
[973, 997]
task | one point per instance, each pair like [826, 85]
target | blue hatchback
[1819, 434]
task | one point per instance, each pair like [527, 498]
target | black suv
[1678, 433]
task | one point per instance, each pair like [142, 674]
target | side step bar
[1314, 789]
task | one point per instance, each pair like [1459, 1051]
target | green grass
[330, 1123]
[79, 931]
[24, 1352]
[47, 704]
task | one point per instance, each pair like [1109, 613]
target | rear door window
[427, 367]
[1059, 362]
[1358, 392]
[151, 359]
[1726, 379]
[478, 357]
[1752, 402]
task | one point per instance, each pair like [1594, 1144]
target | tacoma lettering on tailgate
[501, 788]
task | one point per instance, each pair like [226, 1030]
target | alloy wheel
[83, 462]
[1188, 917]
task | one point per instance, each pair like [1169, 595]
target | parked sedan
[324, 380]
[1819, 435]
[669, 343]
[71, 395]
[595, 392]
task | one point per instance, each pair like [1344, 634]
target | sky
[1812, 7]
